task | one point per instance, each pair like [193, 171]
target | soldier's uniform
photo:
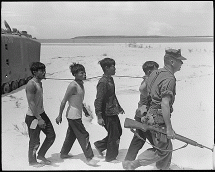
[160, 83]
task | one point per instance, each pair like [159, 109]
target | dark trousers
[136, 143]
[111, 141]
[77, 130]
[34, 135]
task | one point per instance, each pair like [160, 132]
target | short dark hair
[149, 66]
[35, 66]
[75, 68]
[106, 62]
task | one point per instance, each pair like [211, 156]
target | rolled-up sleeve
[100, 95]
[168, 87]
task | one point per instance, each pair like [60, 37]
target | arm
[142, 87]
[71, 89]
[167, 93]
[166, 115]
[166, 111]
[85, 111]
[30, 94]
[101, 91]
[120, 108]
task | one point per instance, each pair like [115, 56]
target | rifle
[130, 123]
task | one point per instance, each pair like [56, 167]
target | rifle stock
[130, 123]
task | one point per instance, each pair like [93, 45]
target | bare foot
[114, 161]
[36, 164]
[46, 161]
[65, 156]
[92, 162]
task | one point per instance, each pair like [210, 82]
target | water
[194, 106]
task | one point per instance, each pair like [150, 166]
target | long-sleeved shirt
[106, 103]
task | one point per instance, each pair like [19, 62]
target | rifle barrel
[130, 123]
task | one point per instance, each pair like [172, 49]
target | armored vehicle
[18, 51]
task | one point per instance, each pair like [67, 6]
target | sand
[193, 115]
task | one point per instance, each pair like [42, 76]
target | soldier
[161, 88]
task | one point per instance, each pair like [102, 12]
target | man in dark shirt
[161, 88]
[107, 109]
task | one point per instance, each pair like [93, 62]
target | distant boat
[18, 51]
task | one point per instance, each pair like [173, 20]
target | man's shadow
[55, 158]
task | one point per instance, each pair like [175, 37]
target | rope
[113, 76]
[71, 79]
[96, 77]
[155, 146]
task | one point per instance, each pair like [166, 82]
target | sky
[67, 19]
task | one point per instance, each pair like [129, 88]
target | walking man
[76, 130]
[107, 109]
[36, 118]
[161, 86]
[143, 105]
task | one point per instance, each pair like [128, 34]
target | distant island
[130, 39]
[121, 36]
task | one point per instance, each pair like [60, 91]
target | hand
[58, 120]
[170, 133]
[87, 114]
[101, 122]
[86, 111]
[121, 111]
[41, 123]
[144, 119]
[140, 111]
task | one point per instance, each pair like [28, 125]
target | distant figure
[36, 118]
[143, 105]
[161, 86]
[76, 130]
[107, 109]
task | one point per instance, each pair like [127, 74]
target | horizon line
[123, 36]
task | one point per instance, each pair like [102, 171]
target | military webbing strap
[155, 146]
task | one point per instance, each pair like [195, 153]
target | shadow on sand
[55, 158]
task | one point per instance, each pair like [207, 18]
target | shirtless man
[36, 118]
[76, 130]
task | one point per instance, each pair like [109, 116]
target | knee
[114, 142]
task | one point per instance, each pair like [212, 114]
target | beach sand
[193, 115]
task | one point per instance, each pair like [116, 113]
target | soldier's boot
[131, 165]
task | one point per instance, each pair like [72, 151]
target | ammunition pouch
[157, 116]
[160, 136]
[158, 121]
